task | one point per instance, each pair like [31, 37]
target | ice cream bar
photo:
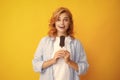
[62, 41]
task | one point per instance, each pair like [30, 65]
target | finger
[67, 54]
[60, 55]
[60, 52]
[67, 51]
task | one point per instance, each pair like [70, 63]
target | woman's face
[62, 23]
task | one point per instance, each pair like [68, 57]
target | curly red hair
[53, 31]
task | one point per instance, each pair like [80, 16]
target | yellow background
[24, 22]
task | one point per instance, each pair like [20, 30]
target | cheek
[67, 28]
[67, 24]
[56, 24]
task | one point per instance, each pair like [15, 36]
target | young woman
[60, 63]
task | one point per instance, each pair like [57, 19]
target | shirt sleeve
[81, 59]
[38, 58]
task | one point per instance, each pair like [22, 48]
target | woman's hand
[66, 56]
[62, 54]
[59, 54]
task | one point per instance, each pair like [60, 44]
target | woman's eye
[66, 19]
[58, 19]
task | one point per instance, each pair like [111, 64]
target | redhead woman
[60, 56]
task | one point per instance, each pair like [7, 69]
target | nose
[62, 21]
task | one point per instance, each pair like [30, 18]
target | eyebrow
[66, 17]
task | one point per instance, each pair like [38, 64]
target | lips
[61, 26]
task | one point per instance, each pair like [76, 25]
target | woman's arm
[80, 64]
[70, 62]
[48, 63]
[73, 65]
[52, 61]
[81, 58]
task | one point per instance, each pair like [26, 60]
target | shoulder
[76, 41]
[46, 38]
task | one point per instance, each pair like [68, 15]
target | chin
[62, 31]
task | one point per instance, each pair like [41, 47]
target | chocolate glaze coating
[62, 41]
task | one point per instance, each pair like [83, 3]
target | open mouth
[62, 27]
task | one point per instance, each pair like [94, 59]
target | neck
[61, 34]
